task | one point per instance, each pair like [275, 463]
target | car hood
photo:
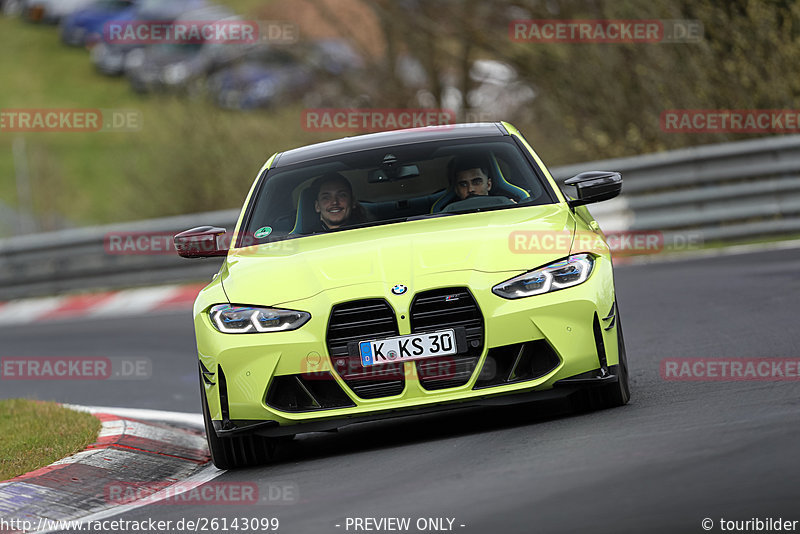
[405, 253]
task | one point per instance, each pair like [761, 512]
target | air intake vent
[516, 363]
[601, 347]
[361, 320]
[223, 395]
[309, 392]
[448, 308]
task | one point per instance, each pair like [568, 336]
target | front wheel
[237, 451]
[620, 393]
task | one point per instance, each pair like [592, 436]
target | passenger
[335, 203]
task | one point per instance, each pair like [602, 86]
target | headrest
[307, 217]
[500, 187]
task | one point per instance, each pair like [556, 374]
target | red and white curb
[129, 452]
[106, 304]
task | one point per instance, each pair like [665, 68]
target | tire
[619, 393]
[234, 452]
[611, 395]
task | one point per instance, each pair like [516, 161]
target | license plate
[406, 348]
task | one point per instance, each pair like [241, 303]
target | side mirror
[201, 242]
[594, 186]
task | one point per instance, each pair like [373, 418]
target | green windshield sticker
[264, 231]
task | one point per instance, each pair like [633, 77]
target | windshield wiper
[428, 216]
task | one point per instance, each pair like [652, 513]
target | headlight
[562, 274]
[250, 320]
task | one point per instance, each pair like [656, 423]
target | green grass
[65, 168]
[36, 434]
[188, 157]
[247, 8]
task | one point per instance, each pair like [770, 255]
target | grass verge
[36, 434]
[188, 157]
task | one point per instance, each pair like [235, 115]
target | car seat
[307, 217]
[500, 187]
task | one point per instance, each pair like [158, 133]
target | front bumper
[562, 389]
[577, 326]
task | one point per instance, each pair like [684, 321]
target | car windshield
[391, 185]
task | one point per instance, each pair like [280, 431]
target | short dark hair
[359, 214]
[316, 186]
[466, 163]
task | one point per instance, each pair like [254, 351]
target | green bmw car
[400, 273]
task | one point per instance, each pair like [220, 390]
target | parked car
[85, 27]
[334, 56]
[262, 77]
[109, 58]
[269, 75]
[250, 86]
[363, 283]
[172, 67]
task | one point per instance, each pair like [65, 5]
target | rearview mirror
[390, 174]
[201, 242]
[594, 186]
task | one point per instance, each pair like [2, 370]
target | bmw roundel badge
[399, 289]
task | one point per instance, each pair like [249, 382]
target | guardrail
[728, 191]
[54, 262]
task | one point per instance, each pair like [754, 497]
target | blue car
[263, 77]
[110, 58]
[85, 27]
[250, 86]
[269, 76]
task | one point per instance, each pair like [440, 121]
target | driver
[335, 203]
[470, 178]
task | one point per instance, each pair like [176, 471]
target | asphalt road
[678, 453]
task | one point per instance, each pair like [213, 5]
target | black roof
[383, 139]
